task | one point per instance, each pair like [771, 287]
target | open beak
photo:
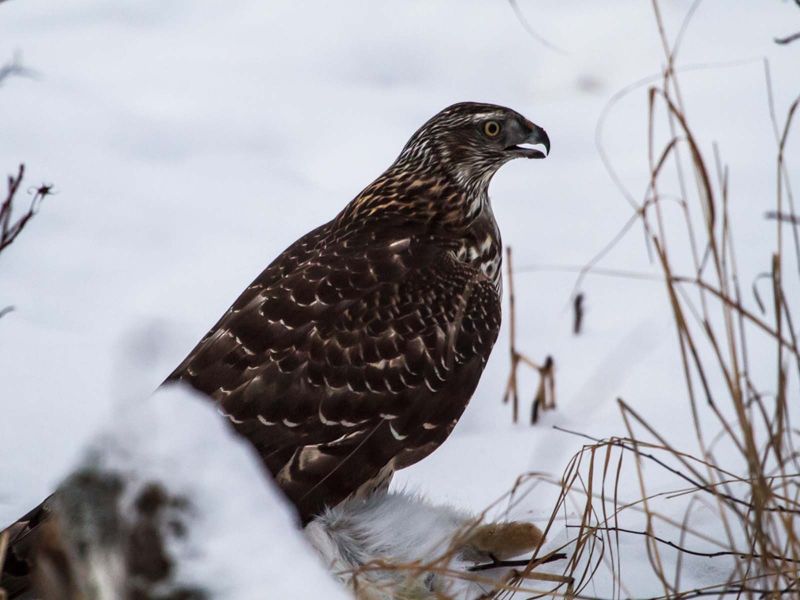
[528, 146]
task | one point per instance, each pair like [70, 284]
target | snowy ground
[227, 530]
[191, 142]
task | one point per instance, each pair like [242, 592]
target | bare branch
[788, 39]
[15, 68]
[9, 230]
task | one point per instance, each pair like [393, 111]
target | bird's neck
[429, 205]
[421, 193]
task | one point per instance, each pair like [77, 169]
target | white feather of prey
[402, 528]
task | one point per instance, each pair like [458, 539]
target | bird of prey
[356, 351]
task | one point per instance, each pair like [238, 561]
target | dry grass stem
[545, 396]
[739, 483]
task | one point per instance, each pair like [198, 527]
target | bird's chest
[482, 248]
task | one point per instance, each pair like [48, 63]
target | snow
[241, 539]
[190, 143]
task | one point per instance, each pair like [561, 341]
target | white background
[190, 142]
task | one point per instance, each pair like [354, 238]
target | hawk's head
[472, 140]
[445, 168]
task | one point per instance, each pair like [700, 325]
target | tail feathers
[22, 539]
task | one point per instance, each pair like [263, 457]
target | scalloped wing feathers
[348, 358]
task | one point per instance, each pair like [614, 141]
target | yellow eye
[491, 128]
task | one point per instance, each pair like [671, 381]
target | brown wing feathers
[336, 368]
[357, 350]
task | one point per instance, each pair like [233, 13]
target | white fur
[398, 528]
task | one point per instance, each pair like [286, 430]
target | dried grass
[739, 484]
[744, 473]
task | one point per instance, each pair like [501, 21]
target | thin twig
[788, 39]
[518, 563]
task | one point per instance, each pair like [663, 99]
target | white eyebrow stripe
[479, 116]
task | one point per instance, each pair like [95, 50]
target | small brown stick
[511, 386]
[545, 395]
[548, 577]
[682, 549]
[578, 310]
[786, 218]
[3, 548]
[518, 563]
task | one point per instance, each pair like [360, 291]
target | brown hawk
[355, 352]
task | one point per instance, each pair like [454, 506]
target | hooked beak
[536, 136]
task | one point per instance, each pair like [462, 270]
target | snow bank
[226, 530]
